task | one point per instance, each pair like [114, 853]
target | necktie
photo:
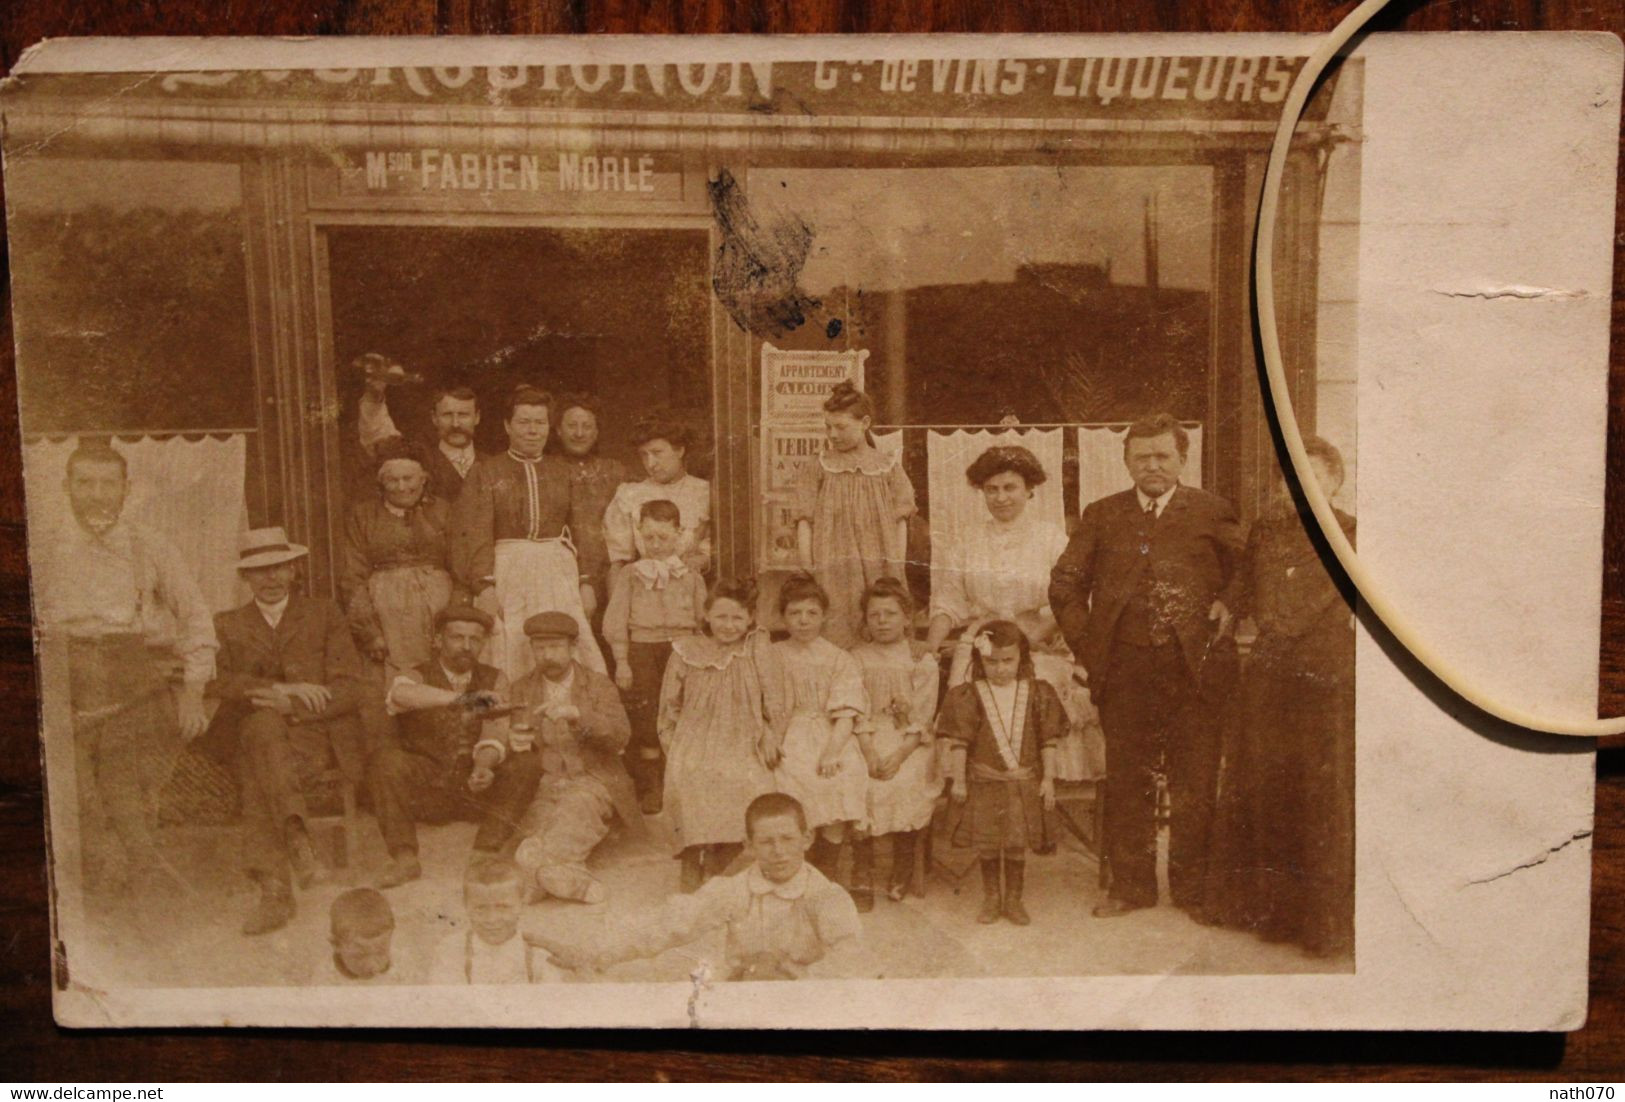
[1151, 510]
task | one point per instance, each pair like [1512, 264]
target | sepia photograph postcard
[790, 533]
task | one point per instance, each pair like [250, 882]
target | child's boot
[693, 874]
[863, 874]
[650, 780]
[991, 905]
[824, 856]
[1014, 873]
[902, 865]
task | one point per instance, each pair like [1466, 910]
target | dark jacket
[447, 735]
[311, 643]
[1301, 610]
[1192, 554]
[603, 731]
[444, 481]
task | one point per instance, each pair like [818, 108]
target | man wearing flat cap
[288, 678]
[580, 728]
[452, 757]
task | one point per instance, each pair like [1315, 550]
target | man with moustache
[455, 416]
[452, 758]
[288, 681]
[580, 728]
[120, 596]
[1143, 594]
[511, 545]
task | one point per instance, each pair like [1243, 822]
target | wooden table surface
[31, 1047]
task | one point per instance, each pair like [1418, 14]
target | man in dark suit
[288, 678]
[1143, 595]
[456, 414]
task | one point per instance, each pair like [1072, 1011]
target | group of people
[464, 677]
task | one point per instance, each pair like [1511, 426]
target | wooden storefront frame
[295, 465]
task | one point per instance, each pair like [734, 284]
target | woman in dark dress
[1283, 859]
[596, 478]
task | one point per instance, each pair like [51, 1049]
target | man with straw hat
[288, 678]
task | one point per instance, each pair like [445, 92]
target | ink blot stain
[758, 265]
[833, 329]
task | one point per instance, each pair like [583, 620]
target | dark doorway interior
[624, 314]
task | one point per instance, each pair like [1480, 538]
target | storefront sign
[446, 173]
[1210, 88]
[795, 385]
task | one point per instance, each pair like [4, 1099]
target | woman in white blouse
[998, 569]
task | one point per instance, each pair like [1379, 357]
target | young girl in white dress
[720, 716]
[900, 676]
[822, 764]
[852, 509]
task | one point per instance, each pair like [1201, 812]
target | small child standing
[784, 919]
[852, 510]
[490, 950]
[824, 761]
[900, 677]
[652, 601]
[362, 926]
[719, 729]
[1002, 727]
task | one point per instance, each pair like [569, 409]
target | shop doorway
[621, 313]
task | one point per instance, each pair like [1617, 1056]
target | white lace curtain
[188, 490]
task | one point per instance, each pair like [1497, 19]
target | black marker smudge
[758, 266]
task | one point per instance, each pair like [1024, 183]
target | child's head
[660, 525]
[362, 925]
[494, 897]
[728, 612]
[848, 413]
[804, 606]
[887, 609]
[1000, 653]
[777, 836]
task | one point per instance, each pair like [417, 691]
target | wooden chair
[332, 820]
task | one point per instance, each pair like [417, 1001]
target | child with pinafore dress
[900, 677]
[822, 763]
[1002, 728]
[852, 509]
[717, 707]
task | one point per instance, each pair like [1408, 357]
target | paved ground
[186, 932]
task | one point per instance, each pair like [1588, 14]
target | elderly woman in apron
[395, 571]
[511, 539]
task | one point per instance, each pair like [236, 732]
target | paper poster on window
[795, 385]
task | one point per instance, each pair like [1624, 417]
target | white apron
[534, 576]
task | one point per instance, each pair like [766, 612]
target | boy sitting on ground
[784, 919]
